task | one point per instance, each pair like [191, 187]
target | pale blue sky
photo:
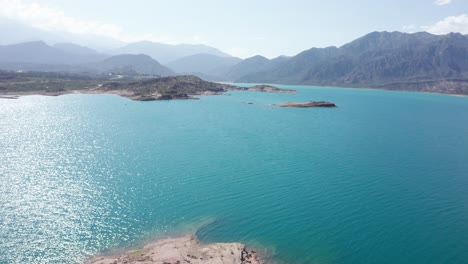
[243, 27]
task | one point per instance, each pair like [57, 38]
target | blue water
[383, 178]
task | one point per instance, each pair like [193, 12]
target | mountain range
[166, 53]
[388, 60]
[132, 64]
[67, 57]
[205, 65]
[377, 59]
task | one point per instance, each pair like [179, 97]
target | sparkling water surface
[383, 178]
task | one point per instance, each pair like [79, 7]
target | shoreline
[122, 93]
[156, 97]
[343, 87]
[130, 94]
[180, 250]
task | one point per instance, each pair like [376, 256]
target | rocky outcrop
[307, 104]
[263, 88]
[270, 89]
[160, 97]
[183, 250]
[178, 88]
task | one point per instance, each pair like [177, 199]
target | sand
[186, 249]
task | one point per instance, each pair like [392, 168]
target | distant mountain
[288, 69]
[75, 49]
[391, 60]
[203, 64]
[166, 53]
[253, 65]
[38, 52]
[132, 64]
[14, 32]
[388, 60]
[383, 57]
[68, 57]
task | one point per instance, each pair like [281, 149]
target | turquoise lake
[383, 178]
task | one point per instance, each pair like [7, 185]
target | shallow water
[383, 178]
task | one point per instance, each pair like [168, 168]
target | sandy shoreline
[185, 249]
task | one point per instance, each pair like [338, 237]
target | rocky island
[307, 104]
[140, 88]
[183, 250]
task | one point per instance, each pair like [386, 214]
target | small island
[182, 250]
[307, 104]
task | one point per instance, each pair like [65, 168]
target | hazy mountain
[75, 49]
[166, 53]
[288, 70]
[393, 60]
[14, 32]
[132, 64]
[67, 57]
[204, 64]
[38, 52]
[253, 65]
[379, 59]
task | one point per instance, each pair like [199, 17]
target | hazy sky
[241, 27]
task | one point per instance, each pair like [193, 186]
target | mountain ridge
[165, 53]
[203, 64]
[378, 60]
[67, 57]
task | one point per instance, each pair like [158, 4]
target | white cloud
[411, 28]
[449, 24]
[53, 19]
[442, 2]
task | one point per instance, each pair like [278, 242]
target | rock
[307, 104]
[9, 97]
[144, 98]
[261, 88]
[160, 97]
[270, 89]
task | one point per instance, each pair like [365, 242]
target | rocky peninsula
[139, 88]
[182, 250]
[307, 104]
